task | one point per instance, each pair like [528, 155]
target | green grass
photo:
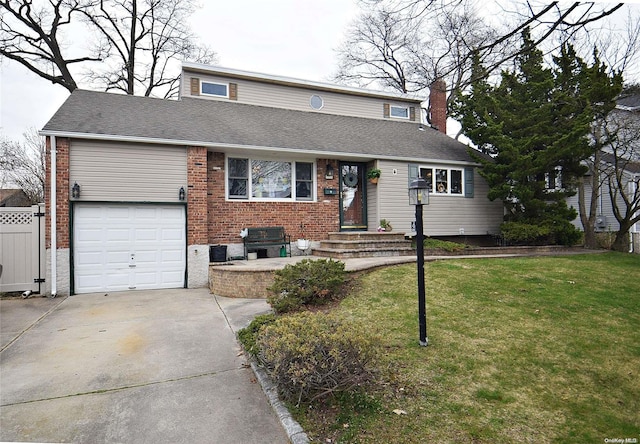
[520, 350]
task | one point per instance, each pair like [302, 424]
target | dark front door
[353, 197]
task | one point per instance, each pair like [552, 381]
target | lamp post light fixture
[419, 196]
[181, 193]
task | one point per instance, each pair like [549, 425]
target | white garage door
[128, 247]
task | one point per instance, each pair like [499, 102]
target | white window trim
[311, 102]
[226, 85]
[399, 107]
[433, 193]
[250, 197]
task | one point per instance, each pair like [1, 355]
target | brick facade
[196, 196]
[62, 193]
[227, 218]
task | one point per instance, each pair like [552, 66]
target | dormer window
[214, 89]
[400, 112]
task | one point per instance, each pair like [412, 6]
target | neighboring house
[10, 197]
[144, 186]
[628, 117]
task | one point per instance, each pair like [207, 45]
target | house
[139, 188]
[626, 117]
[14, 197]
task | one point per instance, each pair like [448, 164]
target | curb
[294, 430]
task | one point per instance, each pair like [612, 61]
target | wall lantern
[181, 193]
[419, 196]
[75, 191]
[328, 172]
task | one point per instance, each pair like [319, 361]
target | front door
[353, 197]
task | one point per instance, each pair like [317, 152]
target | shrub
[308, 282]
[313, 355]
[248, 336]
[519, 233]
[437, 244]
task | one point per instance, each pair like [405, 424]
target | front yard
[537, 350]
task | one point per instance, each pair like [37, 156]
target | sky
[292, 38]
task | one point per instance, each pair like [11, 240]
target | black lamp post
[419, 196]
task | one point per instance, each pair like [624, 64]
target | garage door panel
[122, 247]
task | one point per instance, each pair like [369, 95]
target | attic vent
[316, 102]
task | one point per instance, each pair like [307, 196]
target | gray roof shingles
[212, 122]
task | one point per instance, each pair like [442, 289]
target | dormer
[217, 83]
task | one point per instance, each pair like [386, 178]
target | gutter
[224, 147]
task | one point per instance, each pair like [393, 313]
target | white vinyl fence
[22, 250]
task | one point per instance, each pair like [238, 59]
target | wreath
[350, 179]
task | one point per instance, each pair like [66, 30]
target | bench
[265, 237]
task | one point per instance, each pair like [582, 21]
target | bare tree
[620, 171]
[22, 164]
[434, 39]
[138, 42]
[33, 36]
[143, 40]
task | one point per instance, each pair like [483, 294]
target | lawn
[540, 349]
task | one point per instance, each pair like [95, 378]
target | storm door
[353, 197]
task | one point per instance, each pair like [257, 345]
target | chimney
[438, 105]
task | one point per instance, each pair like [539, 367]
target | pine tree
[536, 124]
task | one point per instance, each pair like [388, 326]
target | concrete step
[361, 253]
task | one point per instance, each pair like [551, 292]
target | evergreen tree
[535, 123]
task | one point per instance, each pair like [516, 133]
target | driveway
[158, 366]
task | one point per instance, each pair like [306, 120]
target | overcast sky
[293, 38]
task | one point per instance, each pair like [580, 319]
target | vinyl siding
[108, 171]
[298, 98]
[444, 216]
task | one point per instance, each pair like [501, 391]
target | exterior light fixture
[75, 191]
[328, 172]
[419, 196]
[181, 193]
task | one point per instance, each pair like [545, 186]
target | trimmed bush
[248, 336]
[308, 282]
[313, 355]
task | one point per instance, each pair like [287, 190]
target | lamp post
[419, 196]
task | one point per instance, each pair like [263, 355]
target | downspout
[54, 205]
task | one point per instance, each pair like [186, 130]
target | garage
[119, 247]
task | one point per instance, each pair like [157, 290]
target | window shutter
[386, 110]
[468, 182]
[412, 113]
[195, 86]
[414, 172]
[233, 91]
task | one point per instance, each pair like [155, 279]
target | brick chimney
[438, 105]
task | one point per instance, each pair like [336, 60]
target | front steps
[354, 244]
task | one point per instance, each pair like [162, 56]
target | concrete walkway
[157, 366]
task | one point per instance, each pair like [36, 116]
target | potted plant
[303, 243]
[385, 225]
[373, 175]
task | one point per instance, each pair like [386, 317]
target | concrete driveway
[157, 366]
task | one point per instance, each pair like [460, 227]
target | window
[401, 112]
[238, 178]
[443, 180]
[316, 102]
[553, 179]
[214, 89]
[257, 179]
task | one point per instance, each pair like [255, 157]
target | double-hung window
[258, 179]
[446, 181]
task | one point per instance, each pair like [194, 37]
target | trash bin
[218, 253]
[262, 253]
